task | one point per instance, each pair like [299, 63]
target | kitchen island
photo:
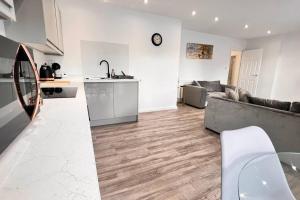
[112, 101]
[53, 158]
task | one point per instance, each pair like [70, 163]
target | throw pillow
[196, 83]
[230, 87]
[244, 95]
[295, 107]
[231, 94]
[211, 86]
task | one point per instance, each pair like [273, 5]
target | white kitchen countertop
[6, 80]
[53, 158]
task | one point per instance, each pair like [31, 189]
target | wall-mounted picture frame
[199, 51]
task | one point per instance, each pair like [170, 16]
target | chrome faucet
[108, 73]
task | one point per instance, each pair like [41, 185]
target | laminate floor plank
[167, 155]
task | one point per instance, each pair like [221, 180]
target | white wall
[271, 51]
[156, 67]
[280, 72]
[92, 53]
[287, 77]
[214, 69]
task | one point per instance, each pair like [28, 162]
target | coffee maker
[57, 70]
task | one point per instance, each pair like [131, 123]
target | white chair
[238, 148]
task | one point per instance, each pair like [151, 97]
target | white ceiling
[279, 16]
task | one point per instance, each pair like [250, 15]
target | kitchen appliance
[19, 90]
[46, 73]
[57, 71]
[65, 92]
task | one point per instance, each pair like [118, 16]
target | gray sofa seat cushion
[217, 94]
[280, 105]
[295, 108]
[211, 86]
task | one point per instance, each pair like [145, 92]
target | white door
[250, 70]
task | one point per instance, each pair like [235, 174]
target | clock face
[156, 39]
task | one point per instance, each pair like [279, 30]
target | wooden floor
[167, 155]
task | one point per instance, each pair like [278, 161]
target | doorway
[234, 68]
[250, 70]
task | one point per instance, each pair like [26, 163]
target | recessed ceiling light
[145, 1]
[246, 26]
[216, 19]
[194, 13]
[269, 32]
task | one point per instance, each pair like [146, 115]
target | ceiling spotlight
[246, 26]
[216, 19]
[145, 1]
[194, 13]
[269, 32]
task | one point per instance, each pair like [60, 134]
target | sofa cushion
[217, 94]
[244, 95]
[211, 86]
[257, 101]
[295, 108]
[231, 94]
[280, 105]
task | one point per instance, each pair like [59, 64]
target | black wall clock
[157, 39]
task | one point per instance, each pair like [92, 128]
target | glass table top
[271, 177]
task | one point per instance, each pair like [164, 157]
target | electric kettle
[46, 73]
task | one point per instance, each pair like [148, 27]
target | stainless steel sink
[114, 78]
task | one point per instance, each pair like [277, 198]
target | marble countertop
[6, 80]
[53, 158]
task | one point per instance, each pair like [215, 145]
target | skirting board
[118, 120]
[158, 109]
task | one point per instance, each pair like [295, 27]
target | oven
[19, 90]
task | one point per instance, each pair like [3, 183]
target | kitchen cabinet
[50, 21]
[100, 100]
[112, 102]
[6, 93]
[7, 10]
[59, 28]
[38, 25]
[125, 99]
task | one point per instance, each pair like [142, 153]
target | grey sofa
[196, 95]
[283, 127]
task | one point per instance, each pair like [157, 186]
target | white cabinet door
[6, 94]
[125, 99]
[100, 98]
[7, 10]
[50, 21]
[59, 27]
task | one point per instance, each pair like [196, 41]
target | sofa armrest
[194, 96]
